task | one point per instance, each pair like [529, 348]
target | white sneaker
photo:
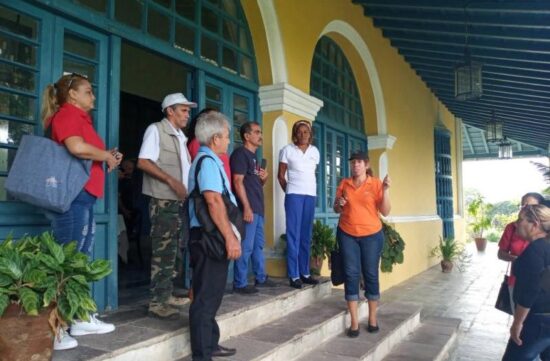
[64, 341]
[94, 326]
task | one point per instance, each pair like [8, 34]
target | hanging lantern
[468, 83]
[494, 129]
[505, 149]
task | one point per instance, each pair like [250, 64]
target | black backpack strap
[197, 170]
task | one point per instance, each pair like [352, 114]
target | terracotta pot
[24, 337]
[446, 266]
[481, 244]
[315, 264]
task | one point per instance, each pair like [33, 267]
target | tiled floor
[470, 296]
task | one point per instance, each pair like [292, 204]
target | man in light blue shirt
[210, 274]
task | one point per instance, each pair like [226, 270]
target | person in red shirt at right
[511, 245]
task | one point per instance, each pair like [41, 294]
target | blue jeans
[535, 336]
[299, 210]
[361, 255]
[252, 244]
[77, 224]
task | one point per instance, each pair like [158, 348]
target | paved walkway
[470, 296]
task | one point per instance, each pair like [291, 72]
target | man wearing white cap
[165, 162]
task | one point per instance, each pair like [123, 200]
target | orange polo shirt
[359, 217]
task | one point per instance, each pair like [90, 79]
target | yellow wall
[411, 112]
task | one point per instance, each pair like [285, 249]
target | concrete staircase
[278, 324]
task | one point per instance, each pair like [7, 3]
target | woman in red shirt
[65, 113]
[511, 245]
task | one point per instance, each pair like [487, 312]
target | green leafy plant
[478, 211]
[450, 251]
[323, 240]
[392, 251]
[37, 272]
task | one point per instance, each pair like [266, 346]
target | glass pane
[15, 77]
[186, 8]
[75, 66]
[20, 106]
[209, 20]
[243, 43]
[230, 31]
[213, 105]
[77, 45]
[158, 25]
[240, 103]
[3, 193]
[209, 50]
[230, 7]
[98, 5]
[11, 132]
[185, 38]
[129, 12]
[239, 118]
[246, 67]
[17, 51]
[18, 23]
[166, 3]
[229, 60]
[213, 93]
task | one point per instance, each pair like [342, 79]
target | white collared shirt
[300, 169]
[150, 149]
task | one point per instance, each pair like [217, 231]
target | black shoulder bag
[212, 241]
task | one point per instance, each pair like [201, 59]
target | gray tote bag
[46, 175]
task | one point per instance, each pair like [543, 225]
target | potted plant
[43, 286]
[392, 251]
[323, 242]
[451, 253]
[478, 211]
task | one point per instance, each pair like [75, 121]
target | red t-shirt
[193, 148]
[512, 243]
[70, 121]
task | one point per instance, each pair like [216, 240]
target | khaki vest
[169, 161]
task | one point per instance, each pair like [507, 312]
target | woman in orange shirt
[359, 199]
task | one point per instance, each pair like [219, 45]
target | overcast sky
[501, 180]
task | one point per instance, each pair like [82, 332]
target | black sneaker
[309, 280]
[248, 290]
[296, 283]
[266, 283]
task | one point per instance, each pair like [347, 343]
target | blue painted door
[80, 50]
[37, 48]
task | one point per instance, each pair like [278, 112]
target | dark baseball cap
[359, 156]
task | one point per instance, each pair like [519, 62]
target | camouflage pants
[165, 230]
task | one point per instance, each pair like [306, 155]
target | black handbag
[212, 241]
[337, 275]
[503, 300]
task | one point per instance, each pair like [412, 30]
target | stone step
[432, 340]
[138, 337]
[289, 337]
[396, 321]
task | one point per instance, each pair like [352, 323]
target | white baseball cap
[176, 98]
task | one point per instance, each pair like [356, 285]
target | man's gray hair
[210, 124]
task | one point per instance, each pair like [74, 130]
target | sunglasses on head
[73, 76]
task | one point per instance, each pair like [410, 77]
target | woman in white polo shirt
[298, 162]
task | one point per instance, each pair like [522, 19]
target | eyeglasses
[73, 77]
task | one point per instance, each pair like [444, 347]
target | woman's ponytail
[49, 105]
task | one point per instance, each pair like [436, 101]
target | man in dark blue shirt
[248, 181]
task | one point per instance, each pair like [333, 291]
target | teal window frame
[444, 180]
[333, 82]
[239, 46]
